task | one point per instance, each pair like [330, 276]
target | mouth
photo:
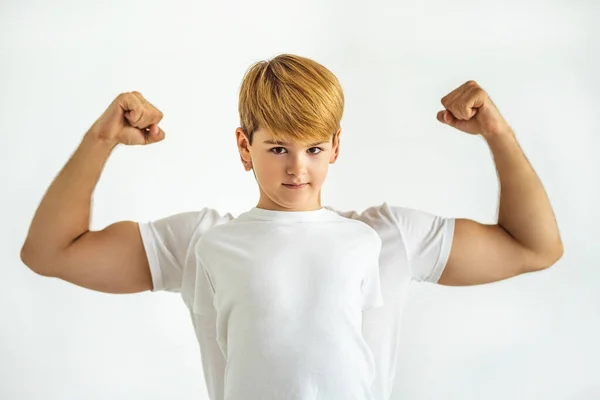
[295, 186]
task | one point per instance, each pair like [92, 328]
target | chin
[292, 198]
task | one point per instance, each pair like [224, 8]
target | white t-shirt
[289, 290]
[414, 246]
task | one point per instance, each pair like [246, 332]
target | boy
[289, 106]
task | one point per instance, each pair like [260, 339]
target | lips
[295, 185]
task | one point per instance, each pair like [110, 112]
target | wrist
[501, 144]
[500, 136]
[94, 140]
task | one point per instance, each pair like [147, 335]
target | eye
[318, 148]
[275, 148]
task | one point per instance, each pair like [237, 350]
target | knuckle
[128, 97]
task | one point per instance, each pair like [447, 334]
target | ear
[244, 148]
[335, 148]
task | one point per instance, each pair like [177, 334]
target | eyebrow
[276, 142]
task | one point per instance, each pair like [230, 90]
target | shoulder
[386, 215]
[224, 228]
[394, 222]
[352, 224]
[187, 223]
[203, 219]
[376, 217]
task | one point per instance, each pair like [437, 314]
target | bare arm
[526, 237]
[59, 242]
[525, 210]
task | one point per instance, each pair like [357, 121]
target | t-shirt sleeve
[371, 284]
[169, 241]
[428, 240]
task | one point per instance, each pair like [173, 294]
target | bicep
[483, 253]
[112, 260]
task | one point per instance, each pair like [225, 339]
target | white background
[62, 62]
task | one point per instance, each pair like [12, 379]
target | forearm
[525, 211]
[64, 212]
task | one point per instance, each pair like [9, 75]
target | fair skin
[277, 164]
[526, 237]
[60, 244]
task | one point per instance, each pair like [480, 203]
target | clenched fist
[469, 108]
[131, 120]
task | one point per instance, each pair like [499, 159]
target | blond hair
[291, 97]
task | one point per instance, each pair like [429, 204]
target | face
[278, 166]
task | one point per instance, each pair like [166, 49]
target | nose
[297, 166]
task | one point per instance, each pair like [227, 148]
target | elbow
[550, 256]
[557, 252]
[28, 258]
[26, 255]
[560, 250]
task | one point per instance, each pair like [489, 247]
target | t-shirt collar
[294, 216]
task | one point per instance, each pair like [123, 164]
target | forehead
[266, 138]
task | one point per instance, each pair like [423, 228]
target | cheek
[318, 170]
[266, 168]
[323, 164]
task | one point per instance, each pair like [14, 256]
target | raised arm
[59, 243]
[526, 237]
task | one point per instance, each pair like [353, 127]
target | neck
[267, 204]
